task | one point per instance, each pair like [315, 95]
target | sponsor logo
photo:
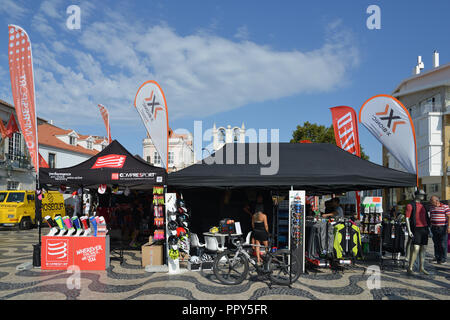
[57, 251]
[137, 175]
[392, 120]
[110, 161]
[133, 175]
[151, 103]
[158, 179]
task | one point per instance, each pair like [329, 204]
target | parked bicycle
[232, 266]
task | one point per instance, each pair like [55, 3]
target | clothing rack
[393, 241]
[318, 242]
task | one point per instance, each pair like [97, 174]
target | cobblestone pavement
[131, 281]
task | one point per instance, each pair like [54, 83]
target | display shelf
[282, 224]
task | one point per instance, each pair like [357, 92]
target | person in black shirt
[260, 232]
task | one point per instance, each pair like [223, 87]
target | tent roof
[315, 167]
[113, 165]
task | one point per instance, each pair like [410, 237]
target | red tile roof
[47, 136]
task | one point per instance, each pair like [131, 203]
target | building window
[171, 158]
[148, 159]
[236, 135]
[52, 160]
[89, 145]
[433, 188]
[13, 185]
[221, 136]
[157, 158]
[15, 146]
[72, 140]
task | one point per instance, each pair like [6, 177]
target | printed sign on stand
[171, 209]
[88, 253]
[297, 201]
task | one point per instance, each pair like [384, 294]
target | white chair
[248, 239]
[195, 242]
[213, 245]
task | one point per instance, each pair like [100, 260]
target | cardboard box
[152, 255]
[207, 265]
[193, 266]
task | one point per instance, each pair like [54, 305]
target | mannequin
[417, 234]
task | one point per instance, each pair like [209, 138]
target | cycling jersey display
[347, 240]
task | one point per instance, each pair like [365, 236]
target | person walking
[439, 216]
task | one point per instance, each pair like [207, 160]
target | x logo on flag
[151, 102]
[390, 117]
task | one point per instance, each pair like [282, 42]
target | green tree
[317, 134]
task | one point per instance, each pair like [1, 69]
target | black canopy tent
[319, 168]
[316, 168]
[113, 165]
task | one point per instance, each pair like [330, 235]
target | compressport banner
[389, 121]
[22, 85]
[346, 129]
[151, 104]
[105, 116]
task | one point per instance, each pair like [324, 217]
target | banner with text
[22, 85]
[345, 126]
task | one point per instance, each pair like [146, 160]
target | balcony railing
[15, 161]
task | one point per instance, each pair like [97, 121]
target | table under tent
[221, 185]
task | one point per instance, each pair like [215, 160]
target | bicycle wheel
[280, 267]
[230, 269]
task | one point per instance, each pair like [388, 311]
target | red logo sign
[346, 129]
[57, 251]
[110, 161]
[114, 176]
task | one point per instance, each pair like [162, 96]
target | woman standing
[260, 232]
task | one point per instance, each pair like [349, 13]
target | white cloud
[242, 33]
[13, 9]
[201, 74]
[50, 9]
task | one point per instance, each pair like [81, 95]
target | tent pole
[37, 209]
[290, 247]
[82, 201]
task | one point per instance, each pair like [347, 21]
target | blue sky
[267, 64]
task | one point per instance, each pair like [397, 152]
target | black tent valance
[113, 165]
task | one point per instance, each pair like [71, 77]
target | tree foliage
[317, 134]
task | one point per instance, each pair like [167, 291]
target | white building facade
[181, 152]
[63, 148]
[427, 98]
[16, 170]
[222, 135]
